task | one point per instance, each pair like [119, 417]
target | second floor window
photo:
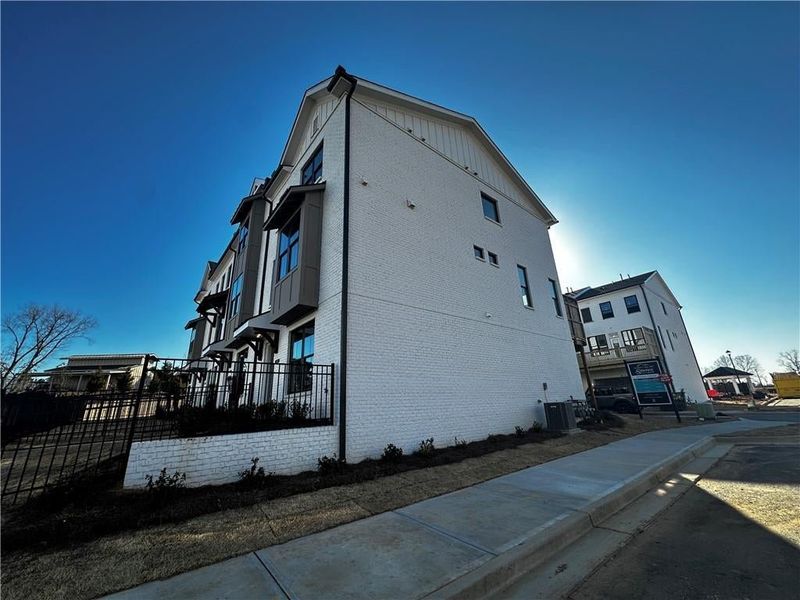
[478, 252]
[312, 172]
[632, 304]
[598, 343]
[524, 288]
[586, 314]
[606, 311]
[289, 247]
[236, 296]
[633, 337]
[555, 296]
[490, 208]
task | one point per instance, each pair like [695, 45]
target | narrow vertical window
[556, 297]
[586, 314]
[492, 259]
[236, 296]
[478, 252]
[312, 171]
[301, 358]
[661, 335]
[664, 308]
[289, 247]
[490, 208]
[669, 337]
[525, 290]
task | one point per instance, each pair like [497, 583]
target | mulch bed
[90, 508]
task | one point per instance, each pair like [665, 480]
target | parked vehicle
[614, 394]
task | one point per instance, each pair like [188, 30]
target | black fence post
[137, 403]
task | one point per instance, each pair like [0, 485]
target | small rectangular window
[490, 208]
[606, 310]
[556, 297]
[289, 247]
[478, 252]
[586, 314]
[598, 344]
[312, 171]
[525, 290]
[664, 308]
[236, 296]
[632, 304]
[493, 259]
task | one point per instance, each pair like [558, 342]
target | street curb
[502, 570]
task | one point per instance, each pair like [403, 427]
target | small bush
[392, 453]
[426, 447]
[537, 427]
[299, 411]
[520, 432]
[164, 482]
[612, 419]
[255, 475]
[459, 443]
[328, 465]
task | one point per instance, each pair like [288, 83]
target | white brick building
[402, 247]
[636, 318]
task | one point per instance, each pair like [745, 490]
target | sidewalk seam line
[446, 533]
[284, 588]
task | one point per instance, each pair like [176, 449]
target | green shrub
[255, 475]
[537, 427]
[299, 411]
[426, 447]
[459, 443]
[392, 453]
[328, 465]
[164, 482]
[520, 432]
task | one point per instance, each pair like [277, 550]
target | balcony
[642, 348]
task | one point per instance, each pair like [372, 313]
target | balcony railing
[609, 356]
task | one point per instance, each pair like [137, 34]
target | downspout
[338, 75]
[655, 330]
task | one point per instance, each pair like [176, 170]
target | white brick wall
[218, 459]
[425, 360]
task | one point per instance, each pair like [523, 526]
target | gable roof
[727, 372]
[614, 286]
[373, 89]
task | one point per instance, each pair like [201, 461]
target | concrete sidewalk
[463, 544]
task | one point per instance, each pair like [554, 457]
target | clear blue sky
[663, 136]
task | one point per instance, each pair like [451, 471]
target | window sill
[498, 223]
[528, 307]
[480, 259]
[495, 266]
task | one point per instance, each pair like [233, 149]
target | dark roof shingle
[614, 286]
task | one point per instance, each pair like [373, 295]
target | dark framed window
[669, 337]
[236, 296]
[633, 338]
[598, 344]
[490, 208]
[556, 297]
[243, 231]
[289, 247]
[632, 304]
[478, 252]
[664, 308]
[606, 310]
[586, 315]
[301, 358]
[312, 171]
[524, 288]
[493, 259]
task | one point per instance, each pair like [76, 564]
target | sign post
[651, 386]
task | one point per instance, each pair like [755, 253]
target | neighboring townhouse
[632, 319]
[80, 369]
[396, 244]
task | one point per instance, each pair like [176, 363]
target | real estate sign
[649, 383]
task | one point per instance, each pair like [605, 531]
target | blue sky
[662, 136]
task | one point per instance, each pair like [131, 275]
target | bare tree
[748, 363]
[790, 360]
[33, 335]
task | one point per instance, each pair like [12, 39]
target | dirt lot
[126, 559]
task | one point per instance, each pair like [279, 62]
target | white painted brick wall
[218, 459]
[424, 359]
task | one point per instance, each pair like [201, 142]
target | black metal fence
[49, 438]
